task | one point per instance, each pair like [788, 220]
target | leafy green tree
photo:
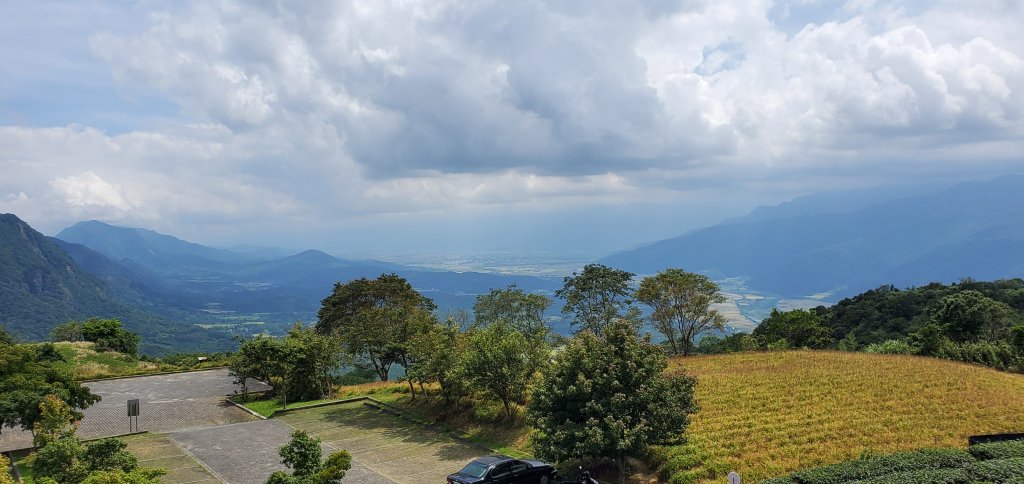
[69, 331]
[970, 314]
[437, 354]
[62, 460]
[61, 457]
[733, 343]
[369, 317]
[597, 296]
[108, 334]
[27, 376]
[523, 312]
[303, 455]
[109, 455]
[682, 304]
[849, 342]
[930, 339]
[413, 323]
[299, 365]
[609, 398]
[799, 328]
[56, 421]
[310, 360]
[259, 358]
[5, 338]
[501, 362]
[1017, 338]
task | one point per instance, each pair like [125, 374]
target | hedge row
[995, 463]
[998, 470]
[872, 467]
[998, 450]
[921, 476]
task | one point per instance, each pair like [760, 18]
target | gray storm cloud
[302, 109]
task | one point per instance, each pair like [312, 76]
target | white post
[734, 478]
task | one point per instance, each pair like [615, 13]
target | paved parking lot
[390, 446]
[200, 438]
[167, 402]
[256, 458]
[159, 451]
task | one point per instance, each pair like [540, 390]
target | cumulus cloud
[90, 190]
[334, 109]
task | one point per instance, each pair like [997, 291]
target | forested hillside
[41, 286]
[889, 313]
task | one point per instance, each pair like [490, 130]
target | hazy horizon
[470, 128]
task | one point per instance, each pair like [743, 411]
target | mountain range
[42, 284]
[843, 246]
[182, 296]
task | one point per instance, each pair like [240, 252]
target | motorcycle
[583, 479]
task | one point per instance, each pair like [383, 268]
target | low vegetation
[992, 463]
[85, 362]
[302, 455]
[766, 415]
[969, 321]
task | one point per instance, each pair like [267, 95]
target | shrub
[881, 466]
[922, 476]
[488, 411]
[5, 477]
[998, 470]
[780, 480]
[109, 335]
[890, 347]
[998, 450]
[998, 355]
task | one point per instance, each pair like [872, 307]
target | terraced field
[769, 414]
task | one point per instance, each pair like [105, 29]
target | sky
[475, 126]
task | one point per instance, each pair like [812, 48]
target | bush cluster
[1000, 462]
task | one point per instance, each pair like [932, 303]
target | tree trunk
[412, 389]
[382, 371]
[620, 463]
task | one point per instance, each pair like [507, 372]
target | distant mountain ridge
[206, 285]
[42, 285]
[973, 229]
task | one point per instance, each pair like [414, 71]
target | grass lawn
[88, 364]
[479, 421]
[268, 406]
[769, 414]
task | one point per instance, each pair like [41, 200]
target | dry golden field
[768, 414]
